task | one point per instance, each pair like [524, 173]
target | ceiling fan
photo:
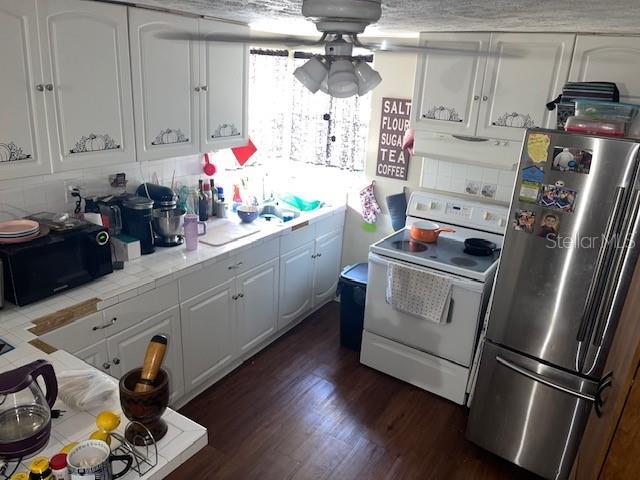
[338, 72]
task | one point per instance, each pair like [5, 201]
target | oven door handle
[536, 377]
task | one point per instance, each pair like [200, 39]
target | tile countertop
[144, 274]
[183, 439]
[141, 275]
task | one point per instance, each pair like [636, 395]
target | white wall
[397, 70]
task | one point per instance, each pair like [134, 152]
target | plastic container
[591, 126]
[59, 467]
[611, 111]
[352, 288]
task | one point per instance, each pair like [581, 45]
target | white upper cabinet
[448, 85]
[609, 59]
[165, 76]
[524, 72]
[224, 78]
[85, 55]
[23, 136]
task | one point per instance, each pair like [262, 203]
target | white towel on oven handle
[419, 292]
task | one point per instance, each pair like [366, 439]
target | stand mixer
[167, 217]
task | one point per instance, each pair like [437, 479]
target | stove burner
[463, 262]
[409, 246]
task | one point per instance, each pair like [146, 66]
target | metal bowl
[168, 223]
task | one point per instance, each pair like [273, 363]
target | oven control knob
[433, 205]
[102, 238]
[502, 222]
[486, 216]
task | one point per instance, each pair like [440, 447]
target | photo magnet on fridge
[533, 173]
[557, 197]
[549, 225]
[529, 191]
[571, 160]
[523, 221]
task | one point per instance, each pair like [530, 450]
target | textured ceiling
[404, 16]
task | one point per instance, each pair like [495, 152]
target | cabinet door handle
[106, 325]
[49, 87]
[485, 98]
[204, 88]
[106, 365]
[197, 89]
[241, 295]
[40, 87]
[318, 254]
[236, 266]
[476, 97]
[313, 256]
[234, 297]
[116, 361]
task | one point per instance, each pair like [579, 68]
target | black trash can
[352, 289]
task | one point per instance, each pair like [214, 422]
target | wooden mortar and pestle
[144, 395]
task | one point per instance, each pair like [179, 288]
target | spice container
[59, 467]
[40, 469]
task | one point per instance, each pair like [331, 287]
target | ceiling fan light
[368, 78]
[311, 74]
[342, 82]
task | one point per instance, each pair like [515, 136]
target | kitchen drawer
[137, 309]
[330, 224]
[300, 234]
[77, 335]
[256, 255]
[415, 367]
[208, 277]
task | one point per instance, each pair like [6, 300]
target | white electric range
[434, 356]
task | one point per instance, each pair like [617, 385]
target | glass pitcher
[25, 411]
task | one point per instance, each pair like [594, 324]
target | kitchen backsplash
[476, 181]
[22, 196]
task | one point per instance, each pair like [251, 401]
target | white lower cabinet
[328, 252]
[216, 316]
[257, 305]
[309, 276]
[127, 348]
[96, 355]
[296, 284]
[208, 333]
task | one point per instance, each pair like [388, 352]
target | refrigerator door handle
[619, 277]
[630, 234]
[542, 379]
[596, 287]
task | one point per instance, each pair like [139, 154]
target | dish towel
[419, 293]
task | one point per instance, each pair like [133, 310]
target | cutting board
[222, 232]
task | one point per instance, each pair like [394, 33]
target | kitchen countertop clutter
[192, 299]
[142, 275]
[183, 439]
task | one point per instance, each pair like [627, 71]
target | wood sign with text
[393, 162]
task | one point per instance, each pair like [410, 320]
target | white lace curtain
[287, 122]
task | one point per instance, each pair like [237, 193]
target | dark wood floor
[305, 408]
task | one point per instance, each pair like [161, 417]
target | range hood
[484, 152]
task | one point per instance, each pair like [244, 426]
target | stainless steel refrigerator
[568, 257]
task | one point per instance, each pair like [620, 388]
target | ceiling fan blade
[289, 41]
[392, 46]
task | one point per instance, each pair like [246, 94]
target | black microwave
[54, 263]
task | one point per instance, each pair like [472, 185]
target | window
[289, 123]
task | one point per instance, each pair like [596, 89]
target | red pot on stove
[428, 232]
